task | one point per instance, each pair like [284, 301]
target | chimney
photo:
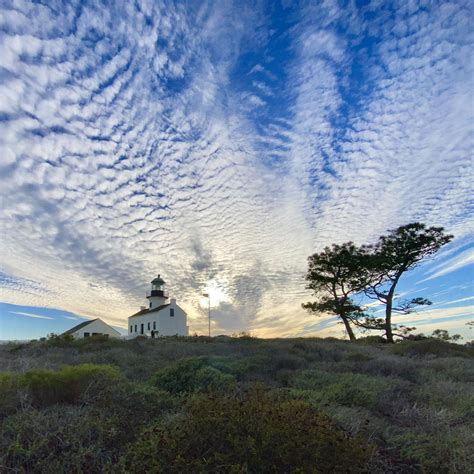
[173, 301]
[142, 308]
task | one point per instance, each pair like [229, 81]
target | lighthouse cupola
[157, 296]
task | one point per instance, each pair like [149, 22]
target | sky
[219, 144]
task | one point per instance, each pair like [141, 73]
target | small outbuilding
[94, 327]
[161, 317]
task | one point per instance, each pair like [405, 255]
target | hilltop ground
[236, 405]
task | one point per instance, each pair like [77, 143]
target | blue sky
[221, 143]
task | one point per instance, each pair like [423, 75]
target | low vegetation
[236, 405]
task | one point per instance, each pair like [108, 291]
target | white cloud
[30, 315]
[256, 101]
[451, 265]
[127, 140]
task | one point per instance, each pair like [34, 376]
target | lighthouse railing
[158, 293]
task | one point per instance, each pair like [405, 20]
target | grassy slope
[412, 401]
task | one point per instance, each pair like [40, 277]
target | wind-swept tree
[399, 251]
[335, 275]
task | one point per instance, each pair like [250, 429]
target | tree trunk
[340, 311]
[349, 330]
[388, 320]
[388, 310]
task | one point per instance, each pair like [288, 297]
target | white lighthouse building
[164, 317]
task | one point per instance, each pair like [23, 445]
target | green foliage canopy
[335, 275]
[339, 273]
[399, 251]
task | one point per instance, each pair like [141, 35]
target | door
[141, 329]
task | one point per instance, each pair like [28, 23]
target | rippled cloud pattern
[221, 143]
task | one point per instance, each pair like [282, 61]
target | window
[171, 312]
[148, 326]
[141, 328]
[135, 328]
[154, 325]
[151, 304]
[131, 328]
[87, 334]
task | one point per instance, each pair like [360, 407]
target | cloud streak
[30, 315]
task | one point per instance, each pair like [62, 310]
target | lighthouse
[157, 296]
[163, 317]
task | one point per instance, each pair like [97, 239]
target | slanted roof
[147, 310]
[80, 326]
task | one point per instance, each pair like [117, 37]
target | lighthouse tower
[157, 296]
[163, 317]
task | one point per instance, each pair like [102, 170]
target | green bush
[192, 375]
[52, 440]
[133, 406]
[372, 340]
[8, 392]
[341, 388]
[253, 434]
[69, 384]
[246, 368]
[252, 368]
[441, 393]
[445, 451]
[459, 370]
[59, 340]
[81, 438]
[288, 362]
[388, 365]
[431, 346]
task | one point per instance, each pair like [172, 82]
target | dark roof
[158, 280]
[147, 310]
[80, 326]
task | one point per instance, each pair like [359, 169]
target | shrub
[97, 343]
[8, 392]
[388, 365]
[444, 451]
[245, 368]
[313, 379]
[431, 347]
[242, 335]
[289, 362]
[372, 340]
[252, 434]
[459, 370]
[261, 367]
[191, 375]
[59, 340]
[357, 357]
[72, 439]
[69, 384]
[444, 335]
[141, 402]
[80, 438]
[341, 388]
[442, 393]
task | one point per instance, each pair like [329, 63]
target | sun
[216, 293]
